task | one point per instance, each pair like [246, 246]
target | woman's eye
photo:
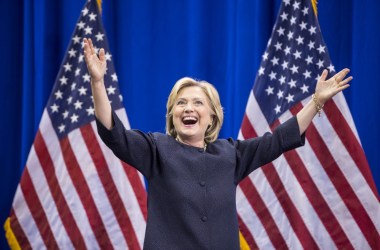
[180, 103]
[198, 103]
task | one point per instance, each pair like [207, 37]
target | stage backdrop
[153, 44]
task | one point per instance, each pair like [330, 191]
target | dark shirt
[192, 192]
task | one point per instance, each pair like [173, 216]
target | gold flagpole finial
[99, 5]
[314, 4]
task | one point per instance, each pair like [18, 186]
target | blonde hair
[213, 130]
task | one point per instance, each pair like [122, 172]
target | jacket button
[202, 183]
[204, 218]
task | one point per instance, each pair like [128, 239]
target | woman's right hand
[96, 65]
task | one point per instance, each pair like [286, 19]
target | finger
[89, 42]
[343, 87]
[91, 46]
[85, 43]
[323, 75]
[102, 56]
[345, 81]
[341, 75]
[86, 49]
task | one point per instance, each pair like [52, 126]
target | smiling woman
[192, 175]
[194, 113]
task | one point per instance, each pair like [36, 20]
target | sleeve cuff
[109, 135]
[290, 133]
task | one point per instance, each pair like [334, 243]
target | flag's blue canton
[293, 61]
[70, 105]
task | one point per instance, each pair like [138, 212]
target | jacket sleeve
[256, 152]
[131, 146]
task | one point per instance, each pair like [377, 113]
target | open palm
[96, 65]
[326, 89]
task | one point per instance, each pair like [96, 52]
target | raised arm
[97, 68]
[324, 91]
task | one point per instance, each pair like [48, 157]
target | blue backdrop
[154, 43]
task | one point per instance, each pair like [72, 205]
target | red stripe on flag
[18, 232]
[289, 208]
[349, 140]
[286, 203]
[67, 218]
[317, 201]
[37, 211]
[247, 129]
[263, 214]
[340, 183]
[84, 193]
[109, 186]
[247, 234]
[315, 197]
[138, 187]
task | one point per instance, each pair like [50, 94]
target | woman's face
[191, 114]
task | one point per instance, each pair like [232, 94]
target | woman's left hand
[326, 89]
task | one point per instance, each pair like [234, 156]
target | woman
[193, 175]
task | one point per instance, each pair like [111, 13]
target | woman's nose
[188, 108]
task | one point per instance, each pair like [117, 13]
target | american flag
[74, 193]
[321, 195]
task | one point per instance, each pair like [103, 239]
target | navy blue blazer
[191, 192]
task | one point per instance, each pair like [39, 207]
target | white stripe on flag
[322, 180]
[330, 194]
[349, 168]
[255, 116]
[124, 188]
[341, 103]
[300, 200]
[25, 219]
[65, 182]
[96, 188]
[253, 223]
[259, 180]
[41, 187]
